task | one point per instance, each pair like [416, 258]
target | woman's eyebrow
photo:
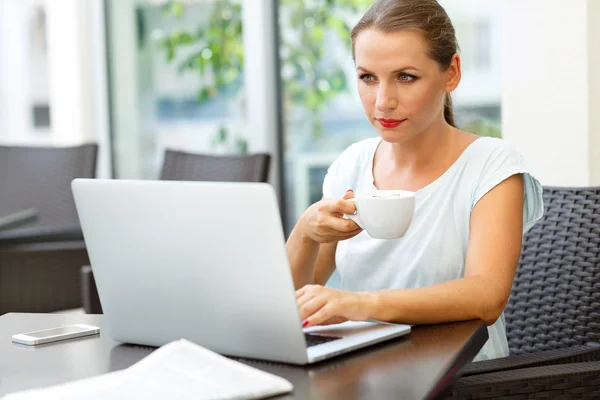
[363, 69]
[405, 69]
[408, 67]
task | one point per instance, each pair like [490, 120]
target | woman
[474, 196]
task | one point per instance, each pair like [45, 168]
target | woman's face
[401, 88]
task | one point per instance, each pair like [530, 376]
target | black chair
[40, 178]
[39, 265]
[553, 316]
[182, 166]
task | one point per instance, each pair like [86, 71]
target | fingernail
[305, 324]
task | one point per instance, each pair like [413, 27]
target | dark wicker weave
[555, 302]
[40, 178]
[568, 355]
[39, 266]
[553, 316]
[559, 382]
[181, 166]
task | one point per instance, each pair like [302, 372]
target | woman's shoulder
[492, 161]
[486, 154]
[489, 159]
[486, 147]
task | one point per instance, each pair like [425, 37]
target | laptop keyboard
[313, 339]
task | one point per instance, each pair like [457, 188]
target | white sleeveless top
[434, 248]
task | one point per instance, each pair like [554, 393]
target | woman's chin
[394, 135]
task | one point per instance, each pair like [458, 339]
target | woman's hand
[324, 221]
[319, 305]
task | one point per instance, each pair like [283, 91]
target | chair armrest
[41, 278]
[569, 355]
[39, 234]
[568, 381]
[89, 293]
[18, 219]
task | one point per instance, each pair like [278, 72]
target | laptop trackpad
[351, 328]
[352, 335]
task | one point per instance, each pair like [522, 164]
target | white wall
[594, 89]
[16, 91]
[68, 71]
[549, 87]
[77, 75]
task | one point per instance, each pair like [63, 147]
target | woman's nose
[386, 99]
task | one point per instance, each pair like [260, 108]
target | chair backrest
[182, 166]
[555, 300]
[40, 178]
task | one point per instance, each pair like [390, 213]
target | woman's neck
[434, 144]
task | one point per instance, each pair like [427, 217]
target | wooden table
[421, 365]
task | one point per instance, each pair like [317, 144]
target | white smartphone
[55, 334]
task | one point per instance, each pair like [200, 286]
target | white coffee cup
[384, 214]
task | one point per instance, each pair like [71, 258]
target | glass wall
[322, 112]
[477, 99]
[176, 81]
[176, 70]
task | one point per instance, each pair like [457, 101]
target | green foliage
[483, 127]
[217, 46]
[311, 82]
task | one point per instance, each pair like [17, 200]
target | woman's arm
[496, 229]
[313, 241]
[311, 262]
[302, 254]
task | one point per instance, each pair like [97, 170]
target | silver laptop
[205, 261]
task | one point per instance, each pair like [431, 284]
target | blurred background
[244, 76]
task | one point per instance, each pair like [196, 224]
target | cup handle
[354, 217]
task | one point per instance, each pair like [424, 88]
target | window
[171, 86]
[325, 119]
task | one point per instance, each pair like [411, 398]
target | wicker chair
[39, 265]
[553, 316]
[182, 166]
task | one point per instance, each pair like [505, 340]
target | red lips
[389, 123]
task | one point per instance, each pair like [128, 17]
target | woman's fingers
[326, 222]
[305, 293]
[342, 226]
[334, 320]
[322, 315]
[319, 305]
[342, 206]
[348, 195]
[312, 306]
[310, 299]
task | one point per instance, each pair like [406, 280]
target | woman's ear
[454, 74]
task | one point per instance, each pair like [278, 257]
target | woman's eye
[367, 78]
[407, 78]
